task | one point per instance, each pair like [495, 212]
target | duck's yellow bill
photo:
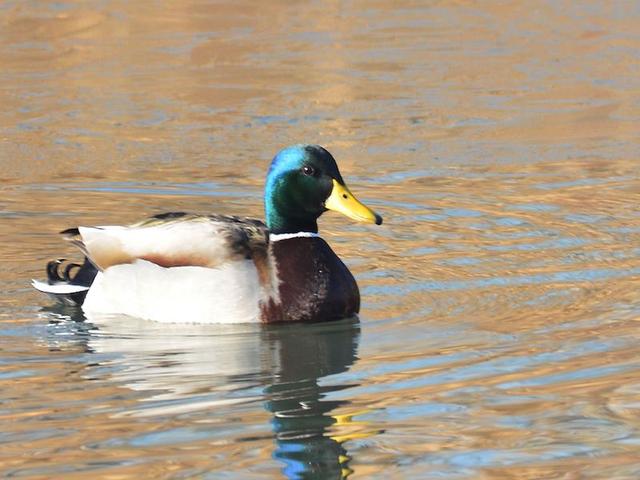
[342, 200]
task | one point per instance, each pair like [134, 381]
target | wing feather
[173, 239]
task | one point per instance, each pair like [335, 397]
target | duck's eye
[308, 170]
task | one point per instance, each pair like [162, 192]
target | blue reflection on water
[586, 275]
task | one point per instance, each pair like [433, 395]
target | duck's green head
[304, 182]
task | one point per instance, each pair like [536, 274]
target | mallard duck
[180, 267]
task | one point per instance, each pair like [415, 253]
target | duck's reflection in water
[301, 416]
[193, 369]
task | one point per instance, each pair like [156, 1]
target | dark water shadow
[301, 414]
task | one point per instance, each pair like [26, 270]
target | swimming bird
[181, 267]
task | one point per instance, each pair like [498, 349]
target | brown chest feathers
[313, 283]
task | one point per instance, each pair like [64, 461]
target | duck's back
[314, 284]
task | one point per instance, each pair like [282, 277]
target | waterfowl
[180, 267]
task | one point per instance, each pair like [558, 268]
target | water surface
[499, 334]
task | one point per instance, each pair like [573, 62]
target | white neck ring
[275, 237]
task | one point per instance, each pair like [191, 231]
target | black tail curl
[53, 271]
[71, 274]
[84, 273]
